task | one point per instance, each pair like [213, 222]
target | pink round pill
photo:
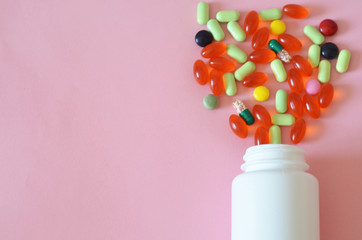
[312, 87]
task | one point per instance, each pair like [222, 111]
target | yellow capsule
[261, 93]
[277, 27]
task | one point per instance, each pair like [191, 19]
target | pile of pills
[222, 71]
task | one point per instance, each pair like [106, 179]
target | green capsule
[281, 101]
[314, 55]
[227, 16]
[244, 70]
[236, 53]
[313, 34]
[202, 13]
[247, 116]
[236, 31]
[215, 29]
[278, 70]
[343, 61]
[275, 46]
[324, 71]
[270, 14]
[285, 119]
[275, 135]
[229, 83]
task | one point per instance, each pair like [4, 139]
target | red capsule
[216, 82]
[255, 79]
[261, 136]
[311, 106]
[289, 42]
[295, 81]
[295, 11]
[295, 105]
[298, 131]
[326, 95]
[201, 73]
[302, 65]
[213, 50]
[238, 126]
[262, 115]
[222, 64]
[260, 38]
[262, 56]
[251, 22]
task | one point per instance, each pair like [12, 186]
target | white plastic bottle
[275, 199]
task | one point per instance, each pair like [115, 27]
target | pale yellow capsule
[236, 31]
[343, 61]
[215, 29]
[227, 16]
[244, 70]
[229, 83]
[202, 13]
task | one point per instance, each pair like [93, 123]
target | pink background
[103, 134]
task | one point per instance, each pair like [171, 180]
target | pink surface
[103, 132]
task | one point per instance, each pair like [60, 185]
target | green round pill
[211, 101]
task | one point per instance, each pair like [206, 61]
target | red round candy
[328, 27]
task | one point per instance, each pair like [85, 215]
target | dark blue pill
[329, 50]
[203, 38]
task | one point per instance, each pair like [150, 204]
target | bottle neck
[274, 157]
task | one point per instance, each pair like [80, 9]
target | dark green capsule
[247, 116]
[275, 46]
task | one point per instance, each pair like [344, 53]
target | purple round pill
[312, 87]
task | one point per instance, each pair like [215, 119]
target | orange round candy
[216, 82]
[295, 81]
[298, 131]
[262, 115]
[295, 11]
[201, 73]
[255, 79]
[238, 126]
[251, 22]
[311, 106]
[302, 65]
[222, 64]
[262, 56]
[326, 95]
[213, 50]
[289, 42]
[261, 136]
[295, 105]
[260, 38]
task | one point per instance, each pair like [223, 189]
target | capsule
[343, 61]
[229, 84]
[260, 38]
[216, 82]
[244, 70]
[270, 14]
[262, 115]
[255, 79]
[326, 95]
[236, 53]
[261, 136]
[215, 29]
[251, 23]
[238, 126]
[201, 73]
[298, 131]
[243, 112]
[202, 13]
[295, 11]
[295, 81]
[222, 64]
[281, 101]
[262, 56]
[283, 119]
[295, 105]
[214, 49]
[314, 55]
[236, 31]
[279, 50]
[289, 42]
[275, 134]
[313, 34]
[324, 71]
[278, 70]
[227, 16]
[302, 65]
[311, 106]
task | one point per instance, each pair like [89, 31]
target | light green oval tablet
[313, 34]
[270, 14]
[227, 16]
[244, 70]
[236, 31]
[281, 101]
[278, 70]
[283, 119]
[343, 61]
[236, 53]
[324, 71]
[215, 29]
[210, 101]
[275, 135]
[314, 55]
[230, 84]
[202, 13]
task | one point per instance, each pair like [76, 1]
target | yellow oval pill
[261, 93]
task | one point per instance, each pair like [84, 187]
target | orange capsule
[295, 11]
[262, 115]
[326, 95]
[261, 136]
[289, 42]
[238, 126]
[201, 73]
[311, 106]
[302, 65]
[260, 38]
[298, 131]
[213, 49]
[251, 22]
[295, 105]
[216, 82]
[262, 56]
[255, 79]
[295, 81]
[222, 64]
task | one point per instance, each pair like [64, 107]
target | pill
[314, 54]
[324, 71]
[326, 95]
[270, 14]
[302, 65]
[214, 49]
[236, 31]
[243, 112]
[238, 126]
[254, 79]
[281, 101]
[262, 56]
[236, 53]
[295, 81]
[279, 50]
[311, 106]
[262, 115]
[275, 135]
[295, 11]
[203, 38]
[295, 105]
[215, 29]
[329, 50]
[261, 136]
[277, 27]
[216, 82]
[278, 70]
[244, 70]
[222, 64]
[229, 83]
[202, 13]
[298, 131]
[312, 86]
[261, 93]
[328, 27]
[227, 16]
[289, 42]
[201, 72]
[210, 101]
[283, 119]
[251, 22]
[343, 61]
[260, 38]
[313, 34]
